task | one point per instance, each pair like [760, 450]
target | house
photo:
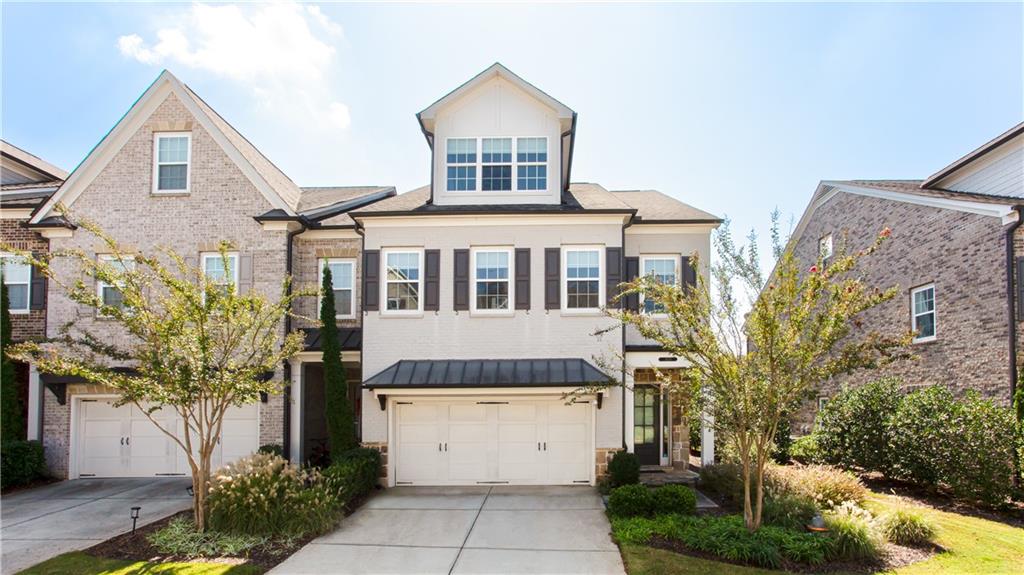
[27, 181]
[957, 256]
[467, 309]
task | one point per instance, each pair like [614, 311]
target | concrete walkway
[448, 530]
[37, 524]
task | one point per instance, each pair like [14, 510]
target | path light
[135, 517]
[817, 524]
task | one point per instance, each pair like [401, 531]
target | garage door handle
[446, 446]
[545, 446]
[538, 446]
[122, 441]
[127, 440]
[439, 446]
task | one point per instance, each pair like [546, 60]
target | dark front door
[647, 424]
[314, 418]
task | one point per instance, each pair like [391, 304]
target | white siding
[999, 173]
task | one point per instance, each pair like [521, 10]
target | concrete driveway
[37, 524]
[468, 530]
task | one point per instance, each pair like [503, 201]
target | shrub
[353, 474]
[805, 449]
[675, 499]
[852, 430]
[918, 435]
[853, 533]
[979, 461]
[631, 501]
[180, 537]
[21, 462]
[263, 494]
[826, 486]
[723, 480]
[783, 441]
[272, 449]
[789, 510]
[907, 527]
[624, 469]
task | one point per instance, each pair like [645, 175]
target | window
[172, 153]
[822, 402]
[496, 173]
[213, 267]
[922, 313]
[18, 277]
[531, 164]
[402, 281]
[663, 268]
[110, 294]
[583, 288]
[461, 162]
[491, 273]
[825, 247]
[343, 280]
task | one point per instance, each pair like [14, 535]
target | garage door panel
[517, 412]
[467, 412]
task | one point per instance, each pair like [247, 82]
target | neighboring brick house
[27, 182]
[951, 257]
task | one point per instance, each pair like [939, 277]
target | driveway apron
[462, 530]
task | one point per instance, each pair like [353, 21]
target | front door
[647, 424]
[314, 415]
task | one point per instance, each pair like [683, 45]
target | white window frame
[475, 165]
[600, 279]
[515, 166]
[157, 136]
[109, 258]
[511, 280]
[823, 242]
[934, 312]
[677, 262]
[822, 401]
[9, 257]
[233, 256]
[352, 311]
[384, 283]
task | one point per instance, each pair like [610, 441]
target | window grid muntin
[643, 415]
[664, 270]
[214, 272]
[922, 313]
[402, 278]
[825, 246]
[173, 154]
[492, 271]
[343, 272]
[583, 279]
[19, 283]
[110, 294]
[501, 168]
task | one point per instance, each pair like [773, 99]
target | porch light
[135, 517]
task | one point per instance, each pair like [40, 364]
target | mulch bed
[136, 547]
[1013, 515]
[895, 556]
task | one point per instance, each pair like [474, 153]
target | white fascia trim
[318, 356]
[15, 213]
[492, 220]
[650, 359]
[52, 233]
[652, 229]
[150, 100]
[488, 392]
[343, 234]
[981, 208]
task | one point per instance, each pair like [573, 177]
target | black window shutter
[460, 300]
[1020, 289]
[552, 278]
[689, 274]
[37, 292]
[371, 280]
[613, 265]
[522, 278]
[632, 301]
[432, 275]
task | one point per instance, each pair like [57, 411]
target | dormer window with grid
[461, 166]
[496, 174]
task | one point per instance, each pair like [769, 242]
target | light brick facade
[306, 272]
[32, 324]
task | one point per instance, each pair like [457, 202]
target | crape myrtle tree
[758, 346]
[341, 430]
[192, 345]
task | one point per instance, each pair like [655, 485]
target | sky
[733, 108]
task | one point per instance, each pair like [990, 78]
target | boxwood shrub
[631, 501]
[623, 469]
[675, 499]
[21, 462]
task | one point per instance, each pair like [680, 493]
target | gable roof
[654, 207]
[18, 160]
[975, 154]
[272, 183]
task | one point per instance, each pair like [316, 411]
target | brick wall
[30, 325]
[962, 254]
[306, 272]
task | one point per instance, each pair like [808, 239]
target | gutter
[1012, 315]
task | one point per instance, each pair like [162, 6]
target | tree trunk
[748, 516]
[201, 487]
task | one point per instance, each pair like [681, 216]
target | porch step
[667, 476]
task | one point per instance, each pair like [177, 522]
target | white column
[35, 403]
[295, 427]
[707, 440]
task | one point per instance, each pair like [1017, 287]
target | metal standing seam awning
[485, 373]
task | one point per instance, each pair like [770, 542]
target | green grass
[78, 563]
[973, 546]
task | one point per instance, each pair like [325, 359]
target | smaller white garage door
[123, 442]
[530, 442]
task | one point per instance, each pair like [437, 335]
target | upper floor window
[172, 153]
[496, 156]
[825, 247]
[110, 294]
[402, 281]
[491, 273]
[663, 268]
[221, 271]
[582, 287]
[461, 164]
[922, 313]
[343, 281]
[531, 163]
[17, 275]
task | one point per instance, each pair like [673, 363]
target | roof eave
[974, 155]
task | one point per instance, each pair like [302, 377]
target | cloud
[270, 48]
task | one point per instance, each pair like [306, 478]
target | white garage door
[469, 442]
[123, 442]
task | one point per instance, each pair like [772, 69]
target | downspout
[362, 312]
[622, 266]
[286, 448]
[1011, 308]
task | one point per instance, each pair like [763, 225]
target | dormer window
[497, 165]
[461, 162]
[531, 163]
[172, 152]
[495, 160]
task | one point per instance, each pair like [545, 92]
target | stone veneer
[383, 449]
[679, 431]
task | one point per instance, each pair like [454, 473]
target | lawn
[974, 547]
[78, 563]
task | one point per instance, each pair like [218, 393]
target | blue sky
[734, 108]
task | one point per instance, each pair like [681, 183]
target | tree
[340, 420]
[12, 425]
[196, 346]
[756, 357]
